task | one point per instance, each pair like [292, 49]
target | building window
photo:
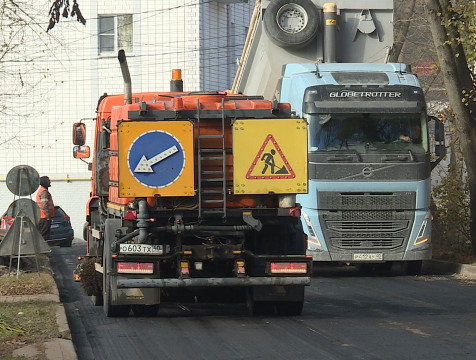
[115, 33]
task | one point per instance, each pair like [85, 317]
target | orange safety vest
[51, 206]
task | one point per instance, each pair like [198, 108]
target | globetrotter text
[368, 94]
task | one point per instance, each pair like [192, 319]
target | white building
[52, 80]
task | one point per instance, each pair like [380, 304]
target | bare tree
[459, 84]
[25, 46]
[403, 13]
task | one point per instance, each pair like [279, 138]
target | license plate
[54, 226]
[367, 257]
[143, 249]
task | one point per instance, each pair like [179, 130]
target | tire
[66, 243]
[109, 309]
[258, 308]
[85, 231]
[145, 310]
[289, 35]
[94, 244]
[97, 300]
[290, 308]
[412, 267]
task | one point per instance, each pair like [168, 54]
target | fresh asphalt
[346, 316]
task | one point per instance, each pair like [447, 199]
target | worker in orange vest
[46, 205]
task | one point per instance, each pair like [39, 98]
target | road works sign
[155, 158]
[270, 156]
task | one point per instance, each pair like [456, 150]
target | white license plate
[143, 249]
[54, 226]
[367, 257]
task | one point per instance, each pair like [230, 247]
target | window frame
[115, 34]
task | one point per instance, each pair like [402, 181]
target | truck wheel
[258, 308]
[145, 310]
[294, 307]
[94, 244]
[97, 300]
[66, 243]
[110, 310]
[290, 308]
[412, 267]
[85, 231]
[291, 24]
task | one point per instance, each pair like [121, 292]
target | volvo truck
[371, 144]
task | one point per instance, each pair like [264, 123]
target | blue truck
[371, 144]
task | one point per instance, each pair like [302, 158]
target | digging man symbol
[268, 159]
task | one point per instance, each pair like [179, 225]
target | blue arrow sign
[156, 158]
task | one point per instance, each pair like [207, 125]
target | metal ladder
[218, 176]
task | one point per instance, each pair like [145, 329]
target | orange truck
[193, 191]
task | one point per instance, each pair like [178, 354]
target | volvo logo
[367, 171]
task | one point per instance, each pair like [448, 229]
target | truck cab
[369, 161]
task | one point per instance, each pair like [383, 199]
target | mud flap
[136, 296]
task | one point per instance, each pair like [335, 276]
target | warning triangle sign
[23, 238]
[270, 162]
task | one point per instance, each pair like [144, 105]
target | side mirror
[79, 134]
[81, 152]
[438, 141]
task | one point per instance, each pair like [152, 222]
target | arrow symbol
[145, 166]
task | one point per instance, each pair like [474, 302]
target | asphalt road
[346, 316]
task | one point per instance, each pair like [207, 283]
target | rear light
[240, 267]
[66, 217]
[135, 268]
[184, 268]
[295, 212]
[288, 268]
[131, 215]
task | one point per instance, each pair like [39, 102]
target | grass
[26, 284]
[26, 323]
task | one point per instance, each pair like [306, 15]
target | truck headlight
[312, 238]
[421, 237]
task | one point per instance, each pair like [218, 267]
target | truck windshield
[367, 132]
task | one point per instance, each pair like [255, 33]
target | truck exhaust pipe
[126, 76]
[176, 84]
[330, 32]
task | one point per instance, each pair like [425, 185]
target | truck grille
[366, 221]
[367, 244]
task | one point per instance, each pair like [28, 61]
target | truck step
[211, 151]
[211, 136]
[213, 180]
[211, 158]
[212, 172]
[212, 201]
[213, 211]
[212, 192]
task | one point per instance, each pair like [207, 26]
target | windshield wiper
[345, 157]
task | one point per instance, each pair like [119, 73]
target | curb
[440, 267]
[61, 348]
